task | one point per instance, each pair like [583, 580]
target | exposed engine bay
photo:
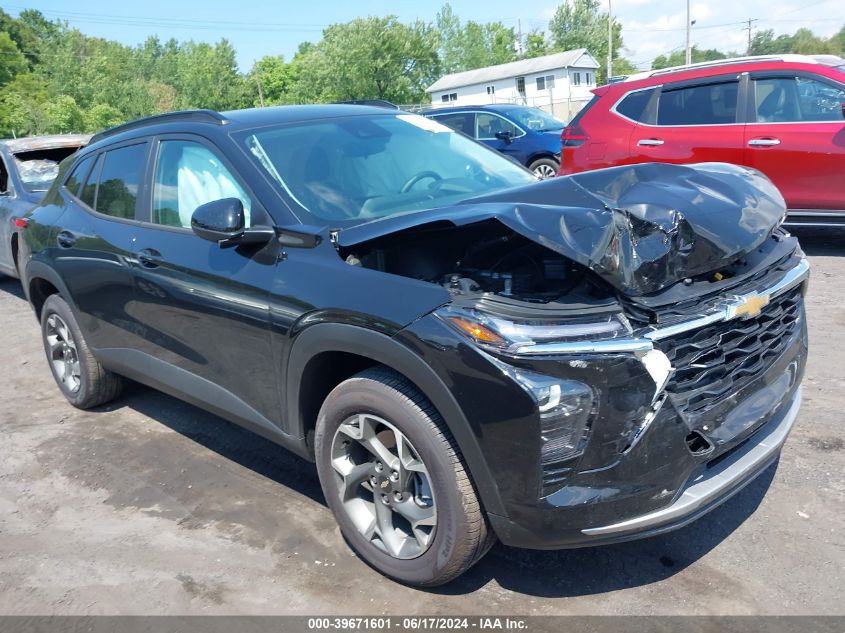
[483, 259]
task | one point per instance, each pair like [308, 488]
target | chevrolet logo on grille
[751, 306]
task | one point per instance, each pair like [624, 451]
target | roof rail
[198, 116]
[787, 57]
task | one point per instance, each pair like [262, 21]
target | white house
[550, 82]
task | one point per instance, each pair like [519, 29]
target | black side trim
[195, 390]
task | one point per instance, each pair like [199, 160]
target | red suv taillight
[573, 136]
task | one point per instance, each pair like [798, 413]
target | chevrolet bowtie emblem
[752, 306]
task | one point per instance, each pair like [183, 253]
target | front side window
[488, 125]
[711, 104]
[120, 181]
[352, 169]
[187, 175]
[796, 100]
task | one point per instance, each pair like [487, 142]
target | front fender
[334, 337]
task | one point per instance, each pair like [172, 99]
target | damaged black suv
[466, 353]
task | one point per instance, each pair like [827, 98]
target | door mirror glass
[219, 219]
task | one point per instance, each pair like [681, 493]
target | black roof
[241, 119]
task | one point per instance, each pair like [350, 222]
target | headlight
[565, 408]
[513, 335]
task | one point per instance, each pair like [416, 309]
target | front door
[797, 138]
[204, 309]
[490, 129]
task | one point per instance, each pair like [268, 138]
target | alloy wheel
[384, 486]
[544, 171]
[63, 354]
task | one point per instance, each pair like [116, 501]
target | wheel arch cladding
[356, 349]
[41, 281]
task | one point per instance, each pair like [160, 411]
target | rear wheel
[82, 379]
[395, 481]
[544, 168]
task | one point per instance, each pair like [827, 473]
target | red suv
[783, 115]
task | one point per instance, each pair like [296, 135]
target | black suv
[465, 352]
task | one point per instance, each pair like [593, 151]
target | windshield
[353, 169]
[535, 119]
[37, 174]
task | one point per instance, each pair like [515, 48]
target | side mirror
[504, 136]
[219, 220]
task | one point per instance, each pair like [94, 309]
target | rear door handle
[66, 239]
[650, 142]
[763, 142]
[149, 258]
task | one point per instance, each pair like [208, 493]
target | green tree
[276, 78]
[472, 45]
[678, 58]
[803, 41]
[207, 77]
[12, 61]
[370, 58]
[63, 115]
[102, 116]
[580, 24]
[536, 45]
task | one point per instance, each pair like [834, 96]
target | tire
[545, 167]
[379, 398]
[82, 379]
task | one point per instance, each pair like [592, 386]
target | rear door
[692, 122]
[95, 243]
[796, 136]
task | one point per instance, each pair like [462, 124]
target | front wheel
[395, 481]
[544, 168]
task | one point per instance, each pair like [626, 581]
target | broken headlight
[565, 408]
[509, 335]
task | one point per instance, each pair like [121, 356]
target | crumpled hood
[640, 227]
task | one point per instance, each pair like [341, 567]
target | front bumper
[706, 489]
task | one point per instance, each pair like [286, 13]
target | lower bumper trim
[714, 485]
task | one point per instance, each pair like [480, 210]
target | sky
[264, 27]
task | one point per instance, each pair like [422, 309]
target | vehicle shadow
[564, 573]
[821, 241]
[12, 286]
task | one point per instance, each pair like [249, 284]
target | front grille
[719, 359]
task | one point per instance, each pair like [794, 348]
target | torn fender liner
[640, 227]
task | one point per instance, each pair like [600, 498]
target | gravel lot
[151, 506]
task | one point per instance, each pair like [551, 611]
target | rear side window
[634, 105]
[711, 104]
[120, 181]
[460, 121]
[77, 176]
[89, 190]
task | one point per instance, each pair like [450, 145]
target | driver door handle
[66, 239]
[149, 258]
[764, 142]
[650, 142]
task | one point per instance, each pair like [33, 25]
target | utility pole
[609, 40]
[748, 28]
[260, 89]
[688, 49]
[519, 48]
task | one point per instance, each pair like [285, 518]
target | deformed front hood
[640, 227]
